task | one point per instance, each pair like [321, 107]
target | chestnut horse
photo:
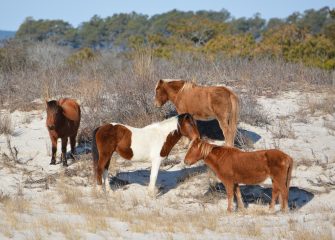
[202, 102]
[63, 119]
[153, 142]
[233, 166]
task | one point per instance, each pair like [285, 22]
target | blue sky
[13, 12]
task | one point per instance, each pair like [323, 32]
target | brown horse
[153, 142]
[202, 102]
[63, 119]
[233, 166]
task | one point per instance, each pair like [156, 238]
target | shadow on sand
[256, 194]
[166, 180]
[211, 129]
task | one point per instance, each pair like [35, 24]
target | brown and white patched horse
[202, 102]
[233, 166]
[63, 120]
[153, 142]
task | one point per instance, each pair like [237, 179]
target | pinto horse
[63, 120]
[153, 142]
[233, 166]
[202, 102]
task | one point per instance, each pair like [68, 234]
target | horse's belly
[252, 178]
[139, 154]
[140, 146]
[204, 117]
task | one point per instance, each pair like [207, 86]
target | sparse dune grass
[17, 204]
[312, 234]
[48, 224]
[6, 125]
[68, 193]
[316, 105]
[96, 223]
[184, 222]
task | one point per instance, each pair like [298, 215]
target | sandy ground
[39, 201]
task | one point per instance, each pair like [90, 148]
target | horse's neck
[165, 127]
[214, 157]
[174, 89]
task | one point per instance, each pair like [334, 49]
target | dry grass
[68, 193]
[18, 204]
[70, 229]
[251, 112]
[6, 126]
[330, 125]
[96, 223]
[185, 222]
[4, 197]
[316, 106]
[312, 234]
[282, 129]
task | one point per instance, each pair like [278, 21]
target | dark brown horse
[202, 102]
[153, 142]
[63, 119]
[233, 166]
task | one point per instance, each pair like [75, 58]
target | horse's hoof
[65, 164]
[53, 162]
[152, 193]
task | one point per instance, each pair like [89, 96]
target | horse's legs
[230, 195]
[105, 175]
[275, 194]
[238, 194]
[284, 202]
[73, 144]
[156, 162]
[223, 121]
[63, 157]
[54, 150]
[284, 196]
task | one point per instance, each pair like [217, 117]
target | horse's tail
[95, 152]
[233, 116]
[289, 172]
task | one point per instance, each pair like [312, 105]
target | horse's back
[71, 109]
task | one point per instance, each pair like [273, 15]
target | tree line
[307, 37]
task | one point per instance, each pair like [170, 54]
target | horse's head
[187, 126]
[161, 96]
[194, 152]
[54, 110]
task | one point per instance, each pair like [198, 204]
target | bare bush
[251, 112]
[6, 126]
[282, 129]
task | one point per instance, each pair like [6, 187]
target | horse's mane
[52, 105]
[205, 148]
[162, 123]
[187, 86]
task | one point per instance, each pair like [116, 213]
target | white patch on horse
[105, 176]
[147, 143]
